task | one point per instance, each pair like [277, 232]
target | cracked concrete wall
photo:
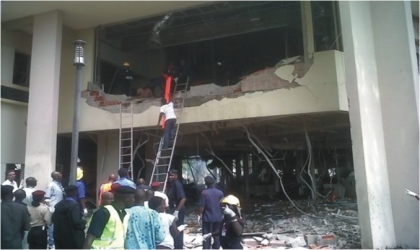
[319, 91]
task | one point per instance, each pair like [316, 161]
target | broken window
[21, 69]
[221, 42]
[327, 31]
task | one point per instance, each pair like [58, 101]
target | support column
[41, 139]
[398, 75]
[370, 165]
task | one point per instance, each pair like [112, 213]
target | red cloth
[167, 94]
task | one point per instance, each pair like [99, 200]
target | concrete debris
[282, 226]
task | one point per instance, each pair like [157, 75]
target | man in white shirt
[30, 188]
[11, 175]
[167, 110]
[155, 187]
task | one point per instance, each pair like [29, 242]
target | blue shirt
[210, 200]
[126, 182]
[81, 189]
[144, 229]
[176, 193]
[55, 193]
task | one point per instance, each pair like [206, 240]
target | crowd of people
[130, 215]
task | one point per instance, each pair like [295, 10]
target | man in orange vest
[106, 187]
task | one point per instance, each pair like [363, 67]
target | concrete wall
[322, 90]
[107, 156]
[12, 41]
[13, 132]
[13, 114]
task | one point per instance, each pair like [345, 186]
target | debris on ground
[278, 225]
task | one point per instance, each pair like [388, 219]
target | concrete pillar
[398, 75]
[370, 165]
[107, 155]
[41, 139]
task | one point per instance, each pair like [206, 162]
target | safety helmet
[231, 200]
[126, 64]
[79, 174]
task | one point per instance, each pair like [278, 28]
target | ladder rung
[125, 139]
[164, 157]
[125, 154]
[162, 165]
[160, 174]
[125, 132]
[166, 149]
[126, 147]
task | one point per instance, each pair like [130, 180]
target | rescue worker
[69, 230]
[128, 78]
[108, 225]
[81, 191]
[167, 110]
[40, 221]
[177, 200]
[106, 187]
[107, 198]
[210, 211]
[232, 224]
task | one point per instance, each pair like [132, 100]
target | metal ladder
[126, 137]
[164, 157]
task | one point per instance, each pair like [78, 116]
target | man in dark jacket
[69, 225]
[14, 220]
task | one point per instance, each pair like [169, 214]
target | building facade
[344, 73]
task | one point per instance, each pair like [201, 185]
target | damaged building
[307, 111]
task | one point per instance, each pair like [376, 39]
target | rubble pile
[279, 225]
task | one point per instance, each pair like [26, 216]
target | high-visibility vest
[114, 232]
[103, 189]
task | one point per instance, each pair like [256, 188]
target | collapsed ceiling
[206, 22]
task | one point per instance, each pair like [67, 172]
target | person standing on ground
[210, 211]
[19, 196]
[124, 180]
[149, 194]
[144, 227]
[232, 224]
[167, 222]
[40, 221]
[68, 222]
[141, 183]
[107, 199]
[81, 191]
[177, 200]
[155, 188]
[14, 220]
[30, 188]
[167, 110]
[10, 181]
[106, 187]
[53, 195]
[108, 225]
